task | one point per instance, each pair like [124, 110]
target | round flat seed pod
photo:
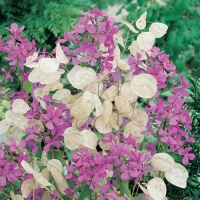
[122, 104]
[177, 176]
[118, 38]
[20, 106]
[32, 58]
[36, 75]
[71, 75]
[95, 88]
[110, 93]
[59, 179]
[127, 92]
[130, 26]
[141, 22]
[131, 128]
[89, 139]
[73, 140]
[16, 133]
[60, 55]
[32, 65]
[49, 65]
[51, 78]
[21, 122]
[105, 146]
[113, 124]
[143, 189]
[98, 105]
[101, 126]
[107, 111]
[10, 117]
[45, 195]
[27, 187]
[40, 179]
[84, 77]
[61, 94]
[156, 188]
[146, 40]
[144, 85]
[81, 110]
[28, 168]
[56, 163]
[116, 53]
[134, 49]
[70, 99]
[123, 65]
[53, 86]
[89, 98]
[78, 122]
[72, 130]
[139, 118]
[158, 29]
[4, 126]
[163, 162]
[117, 118]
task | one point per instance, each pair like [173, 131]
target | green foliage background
[46, 20]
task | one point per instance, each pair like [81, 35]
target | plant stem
[121, 189]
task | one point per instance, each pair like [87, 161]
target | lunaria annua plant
[85, 96]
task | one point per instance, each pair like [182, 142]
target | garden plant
[90, 122]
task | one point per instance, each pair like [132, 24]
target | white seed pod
[15, 196]
[131, 128]
[28, 168]
[21, 122]
[11, 116]
[127, 92]
[73, 140]
[101, 126]
[122, 104]
[16, 133]
[139, 117]
[32, 58]
[89, 139]
[60, 55]
[146, 40]
[134, 49]
[32, 65]
[143, 189]
[95, 88]
[49, 65]
[51, 78]
[20, 106]
[155, 172]
[88, 98]
[158, 29]
[144, 85]
[130, 26]
[156, 188]
[45, 173]
[118, 119]
[177, 176]
[98, 106]
[56, 163]
[123, 65]
[84, 77]
[53, 86]
[78, 122]
[60, 181]
[141, 22]
[4, 126]
[69, 100]
[40, 179]
[110, 93]
[36, 75]
[27, 187]
[118, 38]
[163, 162]
[71, 75]
[105, 146]
[107, 111]
[113, 124]
[116, 53]
[61, 94]
[81, 110]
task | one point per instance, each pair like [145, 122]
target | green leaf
[85, 193]
[123, 185]
[56, 154]
[28, 86]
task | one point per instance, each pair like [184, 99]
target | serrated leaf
[121, 184]
[55, 153]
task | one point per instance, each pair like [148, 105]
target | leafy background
[46, 20]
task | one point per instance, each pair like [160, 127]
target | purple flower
[187, 156]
